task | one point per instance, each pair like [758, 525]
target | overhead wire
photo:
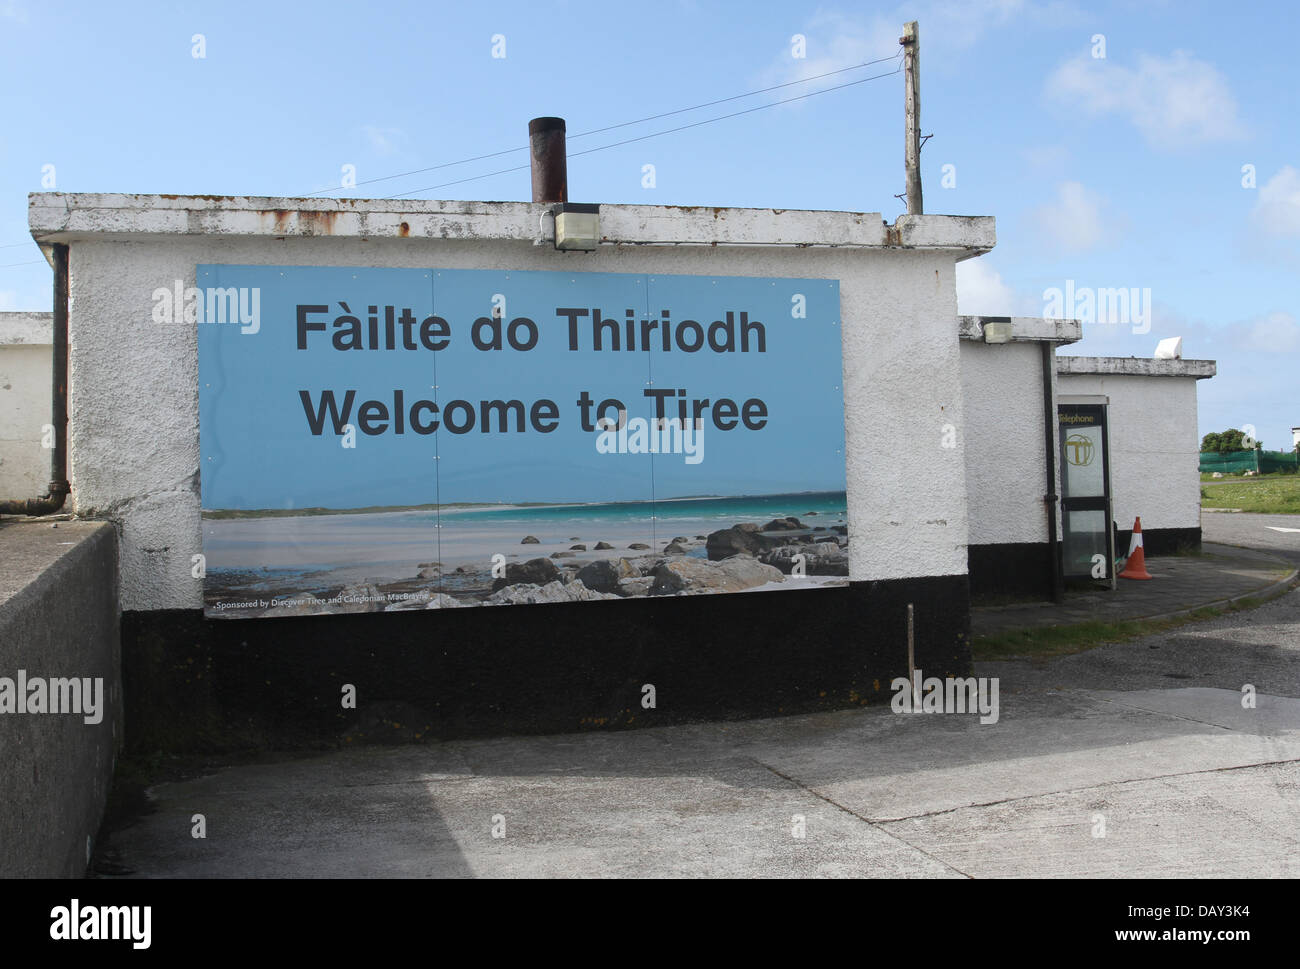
[655, 134]
[614, 127]
[624, 124]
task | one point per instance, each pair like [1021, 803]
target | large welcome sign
[391, 439]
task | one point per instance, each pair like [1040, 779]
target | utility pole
[911, 41]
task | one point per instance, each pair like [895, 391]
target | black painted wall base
[1160, 541]
[1025, 569]
[1013, 569]
[195, 684]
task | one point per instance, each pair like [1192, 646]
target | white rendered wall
[134, 450]
[25, 362]
[1006, 470]
[1154, 446]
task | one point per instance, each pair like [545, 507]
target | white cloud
[1077, 220]
[1173, 101]
[1121, 340]
[948, 26]
[960, 24]
[8, 300]
[1277, 211]
[383, 141]
[1274, 333]
[1047, 158]
[1271, 333]
[1253, 385]
[981, 291]
[833, 40]
[836, 39]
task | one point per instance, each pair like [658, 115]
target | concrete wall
[1154, 448]
[25, 359]
[134, 403]
[1006, 471]
[58, 618]
[1005, 461]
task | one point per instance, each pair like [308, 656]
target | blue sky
[1122, 171]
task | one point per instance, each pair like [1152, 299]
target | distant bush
[1227, 442]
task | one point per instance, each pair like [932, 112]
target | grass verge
[1273, 495]
[1046, 642]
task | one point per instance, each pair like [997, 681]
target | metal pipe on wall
[1051, 499]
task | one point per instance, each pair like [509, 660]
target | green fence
[1238, 461]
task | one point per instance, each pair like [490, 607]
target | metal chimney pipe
[549, 160]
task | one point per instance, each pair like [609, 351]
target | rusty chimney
[550, 169]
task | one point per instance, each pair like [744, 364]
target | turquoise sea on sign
[456, 547]
[691, 511]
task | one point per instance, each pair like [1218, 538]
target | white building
[25, 340]
[1154, 442]
[951, 451]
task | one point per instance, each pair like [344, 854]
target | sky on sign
[268, 443]
[1145, 147]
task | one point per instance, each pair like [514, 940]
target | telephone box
[1088, 537]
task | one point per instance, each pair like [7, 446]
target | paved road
[1138, 759]
[1268, 532]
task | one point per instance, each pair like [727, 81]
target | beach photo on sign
[390, 440]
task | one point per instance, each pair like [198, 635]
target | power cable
[656, 134]
[624, 124]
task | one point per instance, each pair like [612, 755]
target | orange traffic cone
[1136, 566]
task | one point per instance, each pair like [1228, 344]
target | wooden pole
[911, 41]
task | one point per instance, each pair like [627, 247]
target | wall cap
[1024, 329]
[26, 329]
[69, 217]
[1136, 367]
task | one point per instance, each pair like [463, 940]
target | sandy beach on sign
[463, 553]
[391, 544]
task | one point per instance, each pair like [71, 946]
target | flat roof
[68, 217]
[1024, 329]
[1136, 367]
[22, 328]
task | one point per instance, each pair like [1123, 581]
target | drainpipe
[58, 488]
[1051, 499]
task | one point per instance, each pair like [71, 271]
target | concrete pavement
[1135, 759]
[1183, 781]
[1179, 584]
[1173, 783]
